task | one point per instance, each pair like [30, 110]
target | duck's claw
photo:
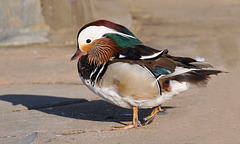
[135, 122]
[134, 125]
[149, 119]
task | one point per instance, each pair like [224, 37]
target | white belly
[111, 95]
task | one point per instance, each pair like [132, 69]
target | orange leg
[135, 122]
[160, 108]
[149, 119]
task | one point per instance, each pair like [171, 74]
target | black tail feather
[182, 60]
[196, 77]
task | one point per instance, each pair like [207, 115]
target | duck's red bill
[78, 54]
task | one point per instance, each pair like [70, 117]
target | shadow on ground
[97, 110]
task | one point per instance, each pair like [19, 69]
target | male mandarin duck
[116, 65]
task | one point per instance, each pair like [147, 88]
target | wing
[166, 67]
[189, 70]
[139, 52]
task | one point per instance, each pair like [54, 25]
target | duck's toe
[137, 123]
[149, 119]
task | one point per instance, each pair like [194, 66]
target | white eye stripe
[96, 32]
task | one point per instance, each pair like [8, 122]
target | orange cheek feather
[99, 50]
[86, 47]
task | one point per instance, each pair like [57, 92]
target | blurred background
[38, 21]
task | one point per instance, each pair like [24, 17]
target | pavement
[40, 90]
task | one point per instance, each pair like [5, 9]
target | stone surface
[21, 22]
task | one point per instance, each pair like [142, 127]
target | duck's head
[102, 39]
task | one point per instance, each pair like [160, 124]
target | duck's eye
[88, 41]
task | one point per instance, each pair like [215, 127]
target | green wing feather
[122, 41]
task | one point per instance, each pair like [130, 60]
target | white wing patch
[122, 56]
[152, 56]
[199, 59]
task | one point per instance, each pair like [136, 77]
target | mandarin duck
[117, 66]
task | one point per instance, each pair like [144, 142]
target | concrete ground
[40, 90]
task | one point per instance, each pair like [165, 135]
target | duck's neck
[89, 71]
